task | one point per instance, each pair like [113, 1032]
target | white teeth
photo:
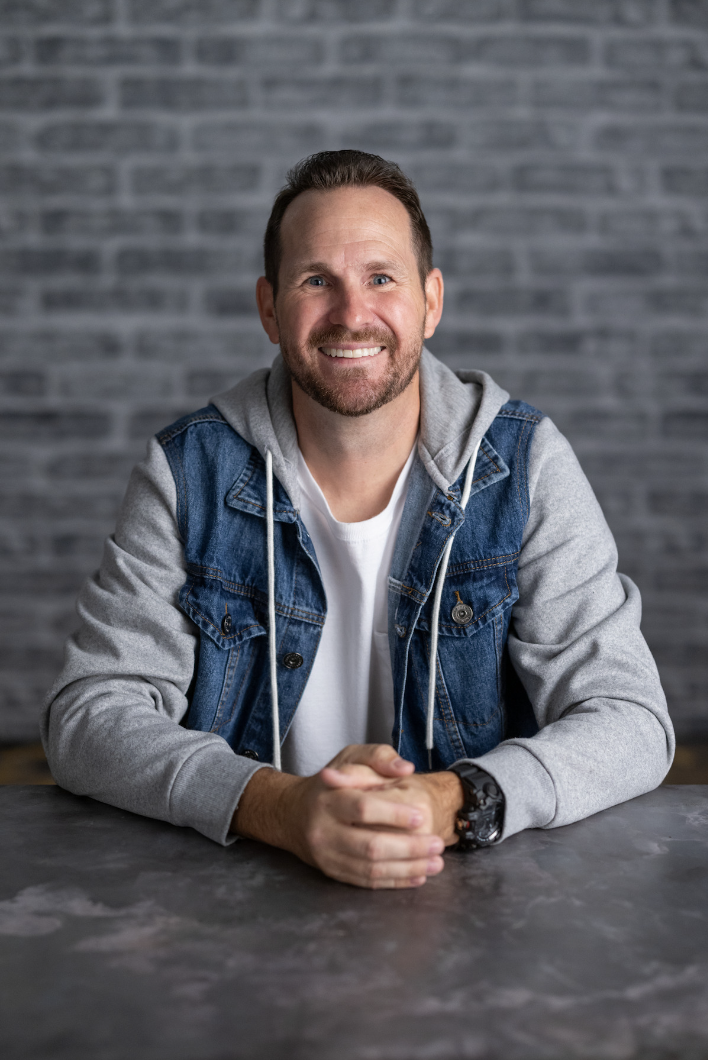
[331, 351]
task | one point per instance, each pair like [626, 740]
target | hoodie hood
[456, 410]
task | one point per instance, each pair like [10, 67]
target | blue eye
[381, 281]
[315, 281]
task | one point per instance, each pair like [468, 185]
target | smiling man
[359, 607]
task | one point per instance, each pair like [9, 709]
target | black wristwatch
[480, 821]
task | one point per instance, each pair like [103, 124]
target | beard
[354, 393]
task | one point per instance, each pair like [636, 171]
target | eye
[316, 281]
[381, 280]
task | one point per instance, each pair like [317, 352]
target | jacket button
[293, 660]
[250, 754]
[462, 614]
[226, 624]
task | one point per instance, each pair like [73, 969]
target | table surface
[127, 938]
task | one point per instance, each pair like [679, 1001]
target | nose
[350, 306]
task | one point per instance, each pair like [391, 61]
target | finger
[378, 756]
[350, 776]
[368, 808]
[374, 846]
[377, 875]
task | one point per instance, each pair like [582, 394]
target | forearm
[268, 809]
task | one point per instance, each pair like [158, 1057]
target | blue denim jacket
[221, 490]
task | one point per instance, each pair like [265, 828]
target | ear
[266, 309]
[434, 291]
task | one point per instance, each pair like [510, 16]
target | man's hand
[364, 819]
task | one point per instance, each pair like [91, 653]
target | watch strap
[480, 821]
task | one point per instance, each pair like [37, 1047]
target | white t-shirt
[349, 694]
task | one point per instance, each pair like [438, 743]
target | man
[368, 561]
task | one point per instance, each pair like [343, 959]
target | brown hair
[340, 169]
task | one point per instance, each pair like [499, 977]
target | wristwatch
[480, 821]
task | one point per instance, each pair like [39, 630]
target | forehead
[343, 222]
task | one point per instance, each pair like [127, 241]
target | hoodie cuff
[207, 790]
[529, 794]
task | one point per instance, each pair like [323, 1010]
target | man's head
[349, 291]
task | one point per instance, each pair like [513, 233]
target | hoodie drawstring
[442, 571]
[272, 645]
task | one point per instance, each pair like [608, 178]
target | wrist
[266, 808]
[449, 799]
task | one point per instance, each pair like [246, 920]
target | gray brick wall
[561, 149]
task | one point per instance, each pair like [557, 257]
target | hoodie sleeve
[575, 642]
[111, 727]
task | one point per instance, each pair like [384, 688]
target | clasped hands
[367, 818]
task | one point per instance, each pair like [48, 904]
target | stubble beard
[345, 397]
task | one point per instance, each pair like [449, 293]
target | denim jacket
[221, 502]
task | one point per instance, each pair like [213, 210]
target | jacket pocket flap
[226, 617]
[471, 598]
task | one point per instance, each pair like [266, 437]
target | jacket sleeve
[605, 734]
[111, 725]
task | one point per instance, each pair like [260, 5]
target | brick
[512, 301]
[682, 384]
[182, 93]
[192, 346]
[11, 51]
[72, 12]
[22, 383]
[622, 12]
[685, 180]
[83, 466]
[573, 178]
[514, 134]
[149, 421]
[30, 180]
[261, 137]
[199, 261]
[116, 137]
[688, 425]
[476, 261]
[640, 53]
[399, 135]
[461, 10]
[451, 176]
[261, 52]
[107, 51]
[13, 222]
[679, 343]
[591, 342]
[648, 222]
[596, 93]
[116, 383]
[10, 136]
[522, 50]
[453, 341]
[69, 504]
[597, 262]
[122, 299]
[628, 304]
[345, 92]
[526, 220]
[48, 261]
[205, 382]
[230, 301]
[55, 346]
[666, 138]
[689, 12]
[691, 96]
[49, 93]
[692, 263]
[318, 11]
[425, 91]
[10, 300]
[228, 222]
[679, 502]
[192, 12]
[50, 426]
[400, 48]
[207, 179]
[111, 222]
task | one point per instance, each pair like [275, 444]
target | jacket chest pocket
[473, 596]
[228, 618]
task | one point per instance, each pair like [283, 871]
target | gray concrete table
[126, 939]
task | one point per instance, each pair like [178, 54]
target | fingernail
[433, 866]
[417, 881]
[436, 846]
[398, 761]
[416, 820]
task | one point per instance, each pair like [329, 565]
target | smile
[334, 351]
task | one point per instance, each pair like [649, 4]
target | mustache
[336, 333]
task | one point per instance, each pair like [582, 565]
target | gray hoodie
[111, 726]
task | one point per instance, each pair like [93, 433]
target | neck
[356, 460]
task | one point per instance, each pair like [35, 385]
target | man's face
[351, 313]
